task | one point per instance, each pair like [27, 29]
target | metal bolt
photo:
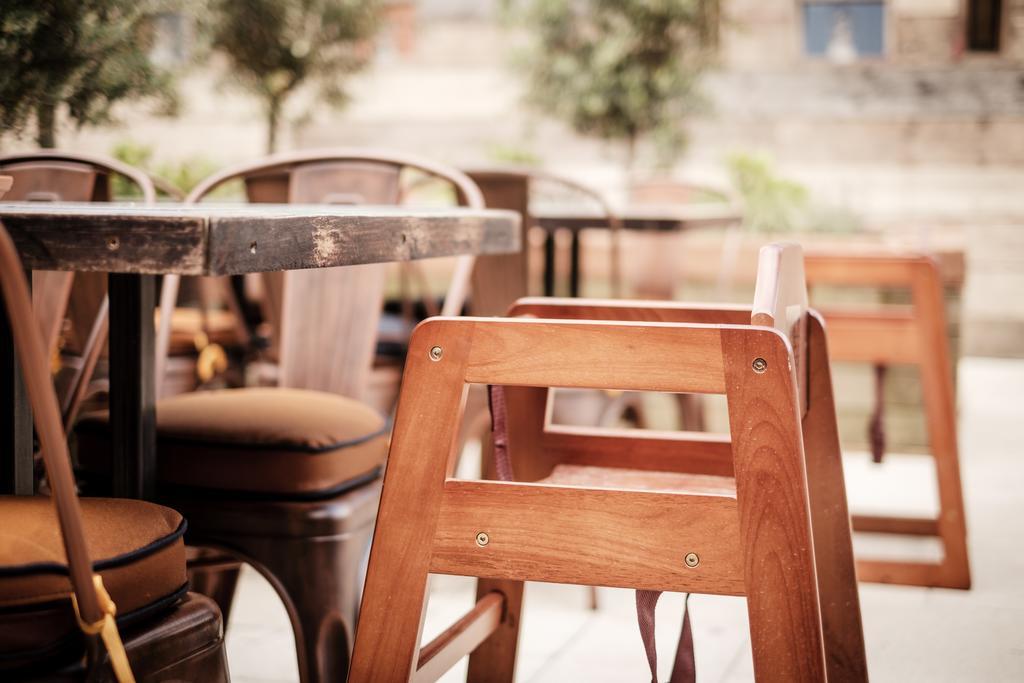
[759, 365]
[482, 539]
[691, 560]
[436, 352]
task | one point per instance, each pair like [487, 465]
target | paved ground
[912, 634]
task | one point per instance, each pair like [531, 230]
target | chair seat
[136, 547]
[263, 442]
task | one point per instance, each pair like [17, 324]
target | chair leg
[312, 554]
[830, 520]
[494, 661]
[318, 579]
[775, 528]
[216, 583]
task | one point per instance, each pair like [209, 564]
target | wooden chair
[515, 189]
[763, 515]
[916, 336]
[287, 478]
[132, 549]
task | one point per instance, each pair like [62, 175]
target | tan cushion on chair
[137, 548]
[282, 442]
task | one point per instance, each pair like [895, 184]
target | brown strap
[683, 670]
[876, 426]
[499, 432]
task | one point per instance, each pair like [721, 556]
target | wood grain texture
[426, 426]
[842, 630]
[494, 661]
[54, 238]
[697, 452]
[459, 639]
[355, 237]
[589, 536]
[207, 239]
[774, 522]
[649, 357]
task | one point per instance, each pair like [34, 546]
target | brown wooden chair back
[28, 343]
[325, 320]
[512, 189]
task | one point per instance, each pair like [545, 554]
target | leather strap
[31, 351]
[876, 425]
[683, 670]
[499, 432]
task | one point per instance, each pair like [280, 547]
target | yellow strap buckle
[106, 627]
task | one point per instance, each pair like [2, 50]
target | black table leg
[16, 474]
[549, 263]
[132, 384]
[574, 264]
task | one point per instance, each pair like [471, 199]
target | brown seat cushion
[136, 547]
[275, 442]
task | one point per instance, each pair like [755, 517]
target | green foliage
[184, 174]
[84, 54]
[274, 47]
[616, 69]
[774, 204]
[512, 154]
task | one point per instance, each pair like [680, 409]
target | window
[844, 31]
[983, 22]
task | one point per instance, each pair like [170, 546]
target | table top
[654, 217]
[228, 239]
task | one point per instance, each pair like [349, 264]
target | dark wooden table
[645, 217]
[135, 243]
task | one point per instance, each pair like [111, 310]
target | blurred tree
[276, 46]
[85, 54]
[618, 69]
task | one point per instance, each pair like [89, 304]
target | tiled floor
[912, 634]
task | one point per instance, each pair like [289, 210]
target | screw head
[436, 352]
[691, 560]
[482, 539]
[113, 243]
[759, 365]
